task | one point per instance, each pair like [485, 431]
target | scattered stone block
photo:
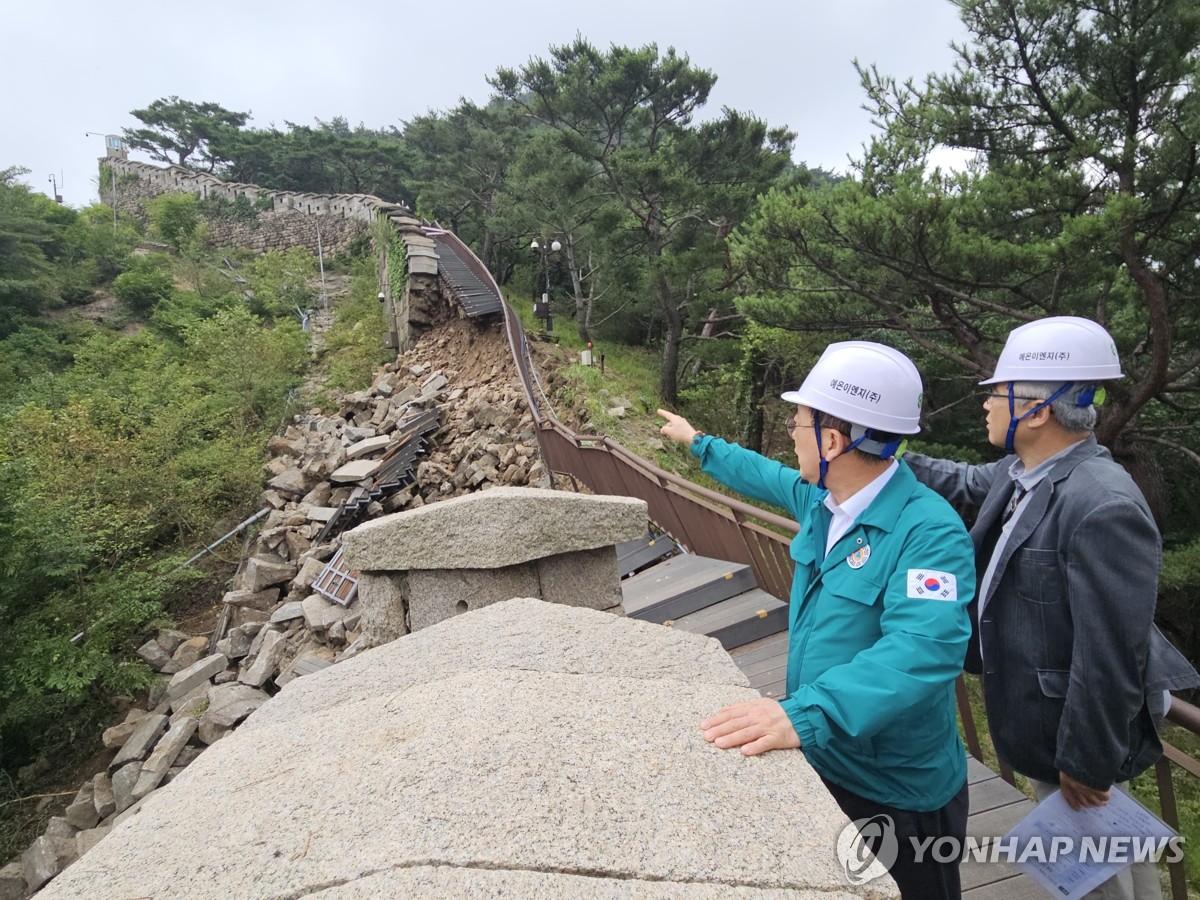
[12, 881]
[433, 384]
[132, 810]
[154, 655]
[82, 812]
[243, 616]
[228, 705]
[288, 611]
[157, 691]
[320, 613]
[186, 654]
[102, 795]
[143, 738]
[163, 756]
[262, 573]
[123, 782]
[354, 471]
[198, 673]
[170, 639]
[273, 499]
[291, 482]
[118, 734]
[263, 599]
[318, 496]
[308, 573]
[368, 446]
[39, 862]
[192, 707]
[266, 663]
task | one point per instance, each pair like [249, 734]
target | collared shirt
[1025, 481]
[845, 514]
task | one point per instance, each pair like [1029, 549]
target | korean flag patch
[926, 584]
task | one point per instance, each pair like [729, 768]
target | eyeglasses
[984, 398]
[790, 424]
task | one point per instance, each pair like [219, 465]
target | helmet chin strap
[1013, 418]
[824, 467]
[868, 443]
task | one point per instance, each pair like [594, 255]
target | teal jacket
[877, 631]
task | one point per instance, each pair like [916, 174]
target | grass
[354, 343]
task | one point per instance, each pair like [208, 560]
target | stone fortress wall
[292, 220]
[330, 222]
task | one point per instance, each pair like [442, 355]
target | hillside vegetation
[138, 389]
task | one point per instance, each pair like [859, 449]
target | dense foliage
[121, 452]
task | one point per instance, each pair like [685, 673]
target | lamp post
[546, 253]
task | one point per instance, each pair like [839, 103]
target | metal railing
[712, 524]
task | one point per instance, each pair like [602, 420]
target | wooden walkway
[995, 805]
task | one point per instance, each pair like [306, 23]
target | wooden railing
[712, 524]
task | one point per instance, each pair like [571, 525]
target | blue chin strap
[884, 451]
[1013, 418]
[820, 451]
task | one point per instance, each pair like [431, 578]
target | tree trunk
[582, 302]
[753, 390]
[668, 389]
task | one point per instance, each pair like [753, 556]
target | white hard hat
[865, 384]
[1061, 348]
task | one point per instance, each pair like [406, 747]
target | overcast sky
[73, 66]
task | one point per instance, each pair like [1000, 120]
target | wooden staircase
[695, 593]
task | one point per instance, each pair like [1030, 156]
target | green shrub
[142, 291]
[174, 217]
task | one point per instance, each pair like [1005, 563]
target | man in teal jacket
[878, 623]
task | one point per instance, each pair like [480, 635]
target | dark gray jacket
[1073, 666]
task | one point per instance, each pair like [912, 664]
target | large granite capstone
[524, 749]
[492, 529]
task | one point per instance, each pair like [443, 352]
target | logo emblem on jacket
[859, 557]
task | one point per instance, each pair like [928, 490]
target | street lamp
[546, 253]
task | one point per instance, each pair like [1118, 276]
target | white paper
[1102, 841]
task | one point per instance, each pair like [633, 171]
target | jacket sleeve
[919, 652]
[754, 475]
[960, 483]
[1112, 562]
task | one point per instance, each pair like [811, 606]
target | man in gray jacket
[1074, 670]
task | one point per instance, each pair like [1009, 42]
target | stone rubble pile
[276, 626]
